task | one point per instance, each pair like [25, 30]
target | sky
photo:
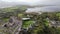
[22, 1]
[5, 3]
[29, 1]
[36, 2]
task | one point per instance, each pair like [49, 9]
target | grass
[26, 24]
[58, 14]
[46, 22]
[5, 19]
[20, 15]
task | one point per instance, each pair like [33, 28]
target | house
[25, 18]
[14, 20]
[55, 23]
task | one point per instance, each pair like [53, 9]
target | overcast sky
[31, 2]
[35, 2]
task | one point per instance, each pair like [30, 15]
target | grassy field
[26, 24]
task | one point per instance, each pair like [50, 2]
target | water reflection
[44, 9]
[50, 8]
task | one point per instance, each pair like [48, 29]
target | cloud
[36, 2]
[49, 2]
[29, 1]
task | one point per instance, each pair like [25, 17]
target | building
[54, 23]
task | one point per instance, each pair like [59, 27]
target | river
[44, 9]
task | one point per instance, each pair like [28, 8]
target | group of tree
[42, 27]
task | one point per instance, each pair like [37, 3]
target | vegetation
[41, 25]
[26, 24]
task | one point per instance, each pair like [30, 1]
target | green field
[26, 24]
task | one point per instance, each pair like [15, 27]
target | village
[28, 21]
